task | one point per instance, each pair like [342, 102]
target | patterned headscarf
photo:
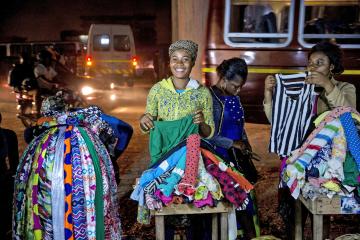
[53, 105]
[187, 45]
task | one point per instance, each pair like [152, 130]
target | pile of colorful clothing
[65, 186]
[328, 162]
[185, 169]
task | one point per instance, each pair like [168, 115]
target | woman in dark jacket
[230, 140]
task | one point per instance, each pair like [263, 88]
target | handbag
[244, 163]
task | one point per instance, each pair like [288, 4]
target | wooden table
[180, 209]
[319, 207]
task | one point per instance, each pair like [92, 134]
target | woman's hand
[320, 80]
[204, 129]
[270, 83]
[198, 117]
[146, 122]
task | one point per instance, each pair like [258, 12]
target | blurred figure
[22, 75]
[45, 76]
[9, 160]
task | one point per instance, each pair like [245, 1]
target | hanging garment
[62, 185]
[291, 115]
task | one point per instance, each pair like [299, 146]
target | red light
[134, 60]
[88, 61]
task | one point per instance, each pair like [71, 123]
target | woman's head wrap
[187, 45]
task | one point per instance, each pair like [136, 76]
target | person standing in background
[9, 160]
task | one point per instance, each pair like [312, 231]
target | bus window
[18, 49]
[101, 42]
[37, 47]
[258, 23]
[122, 43]
[336, 20]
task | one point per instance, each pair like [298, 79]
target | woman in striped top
[324, 63]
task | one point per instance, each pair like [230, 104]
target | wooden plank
[224, 226]
[317, 227]
[298, 221]
[214, 229]
[323, 205]
[160, 227]
[176, 209]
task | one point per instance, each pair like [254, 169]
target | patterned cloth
[231, 190]
[62, 185]
[187, 183]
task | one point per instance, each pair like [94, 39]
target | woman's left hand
[320, 80]
[198, 117]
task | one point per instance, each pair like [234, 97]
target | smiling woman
[180, 95]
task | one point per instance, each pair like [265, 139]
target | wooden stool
[180, 209]
[321, 206]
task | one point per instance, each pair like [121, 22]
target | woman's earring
[223, 85]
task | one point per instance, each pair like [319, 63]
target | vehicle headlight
[112, 97]
[87, 90]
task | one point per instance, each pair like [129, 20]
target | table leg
[317, 227]
[298, 221]
[160, 227]
[224, 226]
[214, 229]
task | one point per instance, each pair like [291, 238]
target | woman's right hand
[270, 83]
[146, 122]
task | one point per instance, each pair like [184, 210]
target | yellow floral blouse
[166, 104]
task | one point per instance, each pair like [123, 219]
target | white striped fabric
[292, 108]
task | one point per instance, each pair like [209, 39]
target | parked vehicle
[111, 55]
[274, 36]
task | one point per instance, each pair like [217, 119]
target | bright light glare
[112, 86]
[105, 41]
[112, 97]
[87, 90]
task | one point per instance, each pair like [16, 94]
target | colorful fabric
[68, 185]
[231, 190]
[352, 137]
[167, 134]
[241, 180]
[334, 114]
[62, 184]
[187, 183]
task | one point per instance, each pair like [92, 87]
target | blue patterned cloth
[352, 136]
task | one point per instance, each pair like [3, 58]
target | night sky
[42, 20]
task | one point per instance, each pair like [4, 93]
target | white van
[111, 53]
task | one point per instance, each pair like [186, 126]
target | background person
[9, 160]
[229, 138]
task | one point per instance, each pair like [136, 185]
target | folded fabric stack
[190, 173]
[328, 162]
[65, 186]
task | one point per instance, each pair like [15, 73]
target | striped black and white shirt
[292, 108]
